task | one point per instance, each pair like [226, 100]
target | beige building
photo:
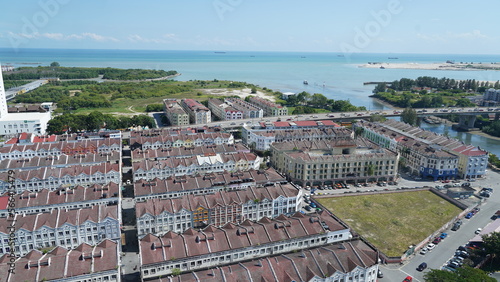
[198, 113]
[270, 108]
[175, 114]
[327, 161]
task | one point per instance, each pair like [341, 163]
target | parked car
[478, 230]
[424, 251]
[436, 240]
[463, 254]
[422, 266]
[431, 246]
[313, 205]
[453, 264]
[455, 227]
[307, 208]
[469, 215]
[443, 235]
[408, 279]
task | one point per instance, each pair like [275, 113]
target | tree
[55, 64]
[463, 274]
[318, 100]
[409, 116]
[491, 243]
[253, 90]
[377, 118]
[381, 87]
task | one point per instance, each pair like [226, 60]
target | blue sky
[388, 26]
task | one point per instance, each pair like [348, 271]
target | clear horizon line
[260, 51]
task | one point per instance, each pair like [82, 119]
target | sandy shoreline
[243, 93]
[433, 66]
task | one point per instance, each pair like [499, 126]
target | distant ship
[382, 67]
[340, 55]
[393, 58]
[219, 52]
[303, 57]
[305, 82]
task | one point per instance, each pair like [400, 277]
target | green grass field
[393, 221]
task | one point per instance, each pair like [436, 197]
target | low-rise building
[214, 247]
[65, 228]
[198, 113]
[343, 261]
[54, 178]
[149, 169]
[175, 114]
[208, 183]
[158, 216]
[325, 162]
[270, 108]
[163, 139]
[426, 153]
[260, 137]
[85, 262]
[42, 149]
[224, 111]
[185, 152]
[60, 161]
[248, 109]
[63, 198]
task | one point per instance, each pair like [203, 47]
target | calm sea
[331, 74]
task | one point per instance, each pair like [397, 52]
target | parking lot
[444, 250]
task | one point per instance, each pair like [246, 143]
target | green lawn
[393, 221]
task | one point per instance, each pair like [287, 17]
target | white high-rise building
[15, 123]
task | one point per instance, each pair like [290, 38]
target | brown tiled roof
[57, 218]
[61, 263]
[181, 152]
[230, 236]
[303, 265]
[60, 161]
[191, 182]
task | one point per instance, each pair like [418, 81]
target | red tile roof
[306, 123]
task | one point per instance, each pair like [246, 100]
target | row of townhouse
[325, 162]
[150, 169]
[270, 108]
[65, 228]
[23, 151]
[249, 110]
[262, 138]
[491, 97]
[62, 198]
[84, 263]
[30, 138]
[184, 152]
[233, 109]
[344, 261]
[224, 111]
[175, 114]
[426, 153]
[198, 113]
[214, 247]
[209, 183]
[54, 178]
[60, 161]
[158, 216]
[168, 140]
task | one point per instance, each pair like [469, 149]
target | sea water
[335, 75]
